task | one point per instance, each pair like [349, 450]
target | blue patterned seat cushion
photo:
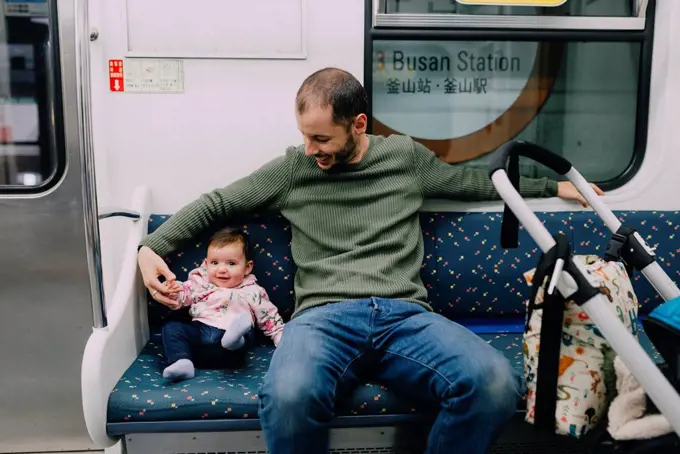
[143, 395]
[469, 278]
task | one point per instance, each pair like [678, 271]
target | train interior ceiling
[117, 114]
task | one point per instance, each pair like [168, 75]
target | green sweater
[355, 230]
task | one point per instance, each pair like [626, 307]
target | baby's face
[227, 265]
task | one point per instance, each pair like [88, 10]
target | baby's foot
[233, 338]
[182, 369]
[231, 344]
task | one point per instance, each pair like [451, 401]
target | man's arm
[267, 187]
[439, 179]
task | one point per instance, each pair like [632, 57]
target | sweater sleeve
[265, 188]
[439, 179]
[267, 318]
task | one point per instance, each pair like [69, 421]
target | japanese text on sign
[424, 85]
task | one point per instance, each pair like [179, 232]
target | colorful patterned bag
[568, 392]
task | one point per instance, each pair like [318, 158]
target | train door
[44, 288]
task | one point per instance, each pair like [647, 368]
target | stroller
[571, 281]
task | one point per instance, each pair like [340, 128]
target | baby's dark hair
[227, 236]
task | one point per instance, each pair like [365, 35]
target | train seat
[469, 277]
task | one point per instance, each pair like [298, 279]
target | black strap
[547, 375]
[626, 248]
[551, 336]
[617, 242]
[510, 223]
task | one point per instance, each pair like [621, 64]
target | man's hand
[152, 266]
[567, 191]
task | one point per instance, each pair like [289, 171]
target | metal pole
[7, 159]
[89, 184]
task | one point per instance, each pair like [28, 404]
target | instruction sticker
[154, 75]
[140, 75]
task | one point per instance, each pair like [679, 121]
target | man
[352, 201]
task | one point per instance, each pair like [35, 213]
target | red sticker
[116, 76]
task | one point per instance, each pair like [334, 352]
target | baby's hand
[173, 287]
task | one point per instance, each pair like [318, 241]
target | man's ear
[360, 123]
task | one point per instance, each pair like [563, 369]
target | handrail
[89, 188]
[112, 212]
[109, 352]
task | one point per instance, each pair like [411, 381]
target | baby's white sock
[233, 338]
[182, 369]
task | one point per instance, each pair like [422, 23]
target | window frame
[55, 110]
[565, 33]
[382, 18]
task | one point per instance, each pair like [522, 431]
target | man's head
[331, 109]
[228, 259]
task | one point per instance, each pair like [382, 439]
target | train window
[31, 157]
[463, 91]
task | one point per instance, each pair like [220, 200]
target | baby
[225, 303]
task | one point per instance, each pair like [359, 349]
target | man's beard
[349, 152]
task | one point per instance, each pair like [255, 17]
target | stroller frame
[572, 282]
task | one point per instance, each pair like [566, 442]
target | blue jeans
[179, 337]
[328, 350]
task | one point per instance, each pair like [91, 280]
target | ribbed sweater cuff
[156, 244]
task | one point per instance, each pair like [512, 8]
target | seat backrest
[658, 228]
[469, 277]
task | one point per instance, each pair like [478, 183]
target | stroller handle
[513, 149]
[530, 150]
[524, 213]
